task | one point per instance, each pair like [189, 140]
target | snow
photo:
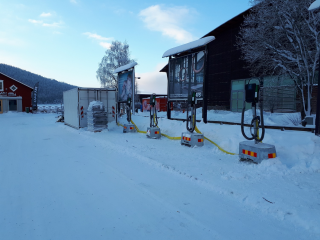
[188, 46]
[125, 67]
[314, 5]
[61, 183]
[94, 104]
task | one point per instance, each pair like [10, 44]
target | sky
[65, 40]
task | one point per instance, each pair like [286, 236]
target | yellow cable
[137, 127]
[165, 135]
[134, 125]
[220, 148]
[179, 138]
[172, 138]
[193, 119]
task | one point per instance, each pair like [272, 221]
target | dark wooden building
[225, 74]
[14, 95]
[224, 64]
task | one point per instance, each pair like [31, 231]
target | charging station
[255, 151]
[153, 131]
[128, 127]
[190, 138]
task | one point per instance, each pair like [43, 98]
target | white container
[77, 100]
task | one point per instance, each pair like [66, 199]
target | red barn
[14, 95]
[161, 104]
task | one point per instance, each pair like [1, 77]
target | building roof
[15, 80]
[228, 24]
[215, 32]
[188, 46]
[125, 67]
[165, 68]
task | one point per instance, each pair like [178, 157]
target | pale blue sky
[66, 39]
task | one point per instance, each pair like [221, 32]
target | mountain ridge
[50, 90]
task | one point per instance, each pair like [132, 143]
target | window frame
[2, 89]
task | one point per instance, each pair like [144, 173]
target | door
[237, 95]
[237, 99]
[1, 107]
[13, 105]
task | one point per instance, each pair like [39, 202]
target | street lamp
[313, 6]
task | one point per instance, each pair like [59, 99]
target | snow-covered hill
[50, 90]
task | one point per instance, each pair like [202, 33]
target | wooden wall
[224, 63]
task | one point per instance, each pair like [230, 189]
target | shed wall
[76, 103]
[70, 102]
[108, 99]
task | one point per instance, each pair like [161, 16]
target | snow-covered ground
[57, 182]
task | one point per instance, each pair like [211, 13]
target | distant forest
[50, 90]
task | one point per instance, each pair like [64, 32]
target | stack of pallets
[97, 117]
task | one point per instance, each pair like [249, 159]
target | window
[186, 74]
[278, 94]
[1, 85]
[13, 88]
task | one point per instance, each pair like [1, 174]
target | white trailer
[77, 100]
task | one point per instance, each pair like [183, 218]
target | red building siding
[23, 90]
[161, 104]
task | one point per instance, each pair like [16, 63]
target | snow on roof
[95, 104]
[314, 5]
[188, 46]
[125, 67]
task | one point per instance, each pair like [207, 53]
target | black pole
[204, 89]
[168, 109]
[317, 132]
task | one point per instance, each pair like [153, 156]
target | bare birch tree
[281, 37]
[117, 56]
